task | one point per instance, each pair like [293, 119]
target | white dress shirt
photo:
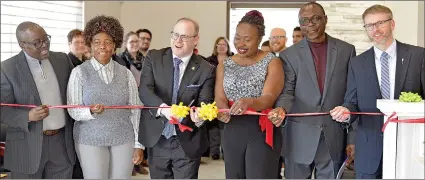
[182, 66]
[106, 73]
[392, 62]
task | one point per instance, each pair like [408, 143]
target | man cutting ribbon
[170, 76]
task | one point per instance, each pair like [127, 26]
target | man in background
[297, 35]
[277, 40]
[266, 46]
[145, 37]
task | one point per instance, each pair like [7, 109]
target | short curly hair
[106, 24]
[255, 18]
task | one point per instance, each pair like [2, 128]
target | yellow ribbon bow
[208, 111]
[180, 111]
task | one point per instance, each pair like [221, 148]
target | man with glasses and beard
[382, 72]
[315, 81]
[170, 76]
[39, 141]
[145, 37]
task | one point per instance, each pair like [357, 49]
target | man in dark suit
[315, 81]
[39, 142]
[170, 76]
[382, 72]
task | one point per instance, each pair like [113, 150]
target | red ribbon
[182, 127]
[394, 119]
[264, 122]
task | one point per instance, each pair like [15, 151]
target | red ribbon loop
[182, 127]
[264, 122]
[393, 119]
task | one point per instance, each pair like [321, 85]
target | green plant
[410, 97]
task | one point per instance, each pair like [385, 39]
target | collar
[97, 66]
[391, 51]
[184, 59]
[31, 59]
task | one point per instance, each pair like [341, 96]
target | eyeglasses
[221, 45]
[106, 43]
[183, 37]
[314, 20]
[378, 24]
[39, 43]
[143, 39]
[271, 38]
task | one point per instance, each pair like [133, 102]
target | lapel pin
[193, 68]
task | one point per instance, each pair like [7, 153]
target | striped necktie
[385, 76]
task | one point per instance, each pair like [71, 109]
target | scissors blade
[191, 102]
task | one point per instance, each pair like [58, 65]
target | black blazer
[156, 88]
[363, 90]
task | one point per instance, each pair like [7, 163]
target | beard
[384, 39]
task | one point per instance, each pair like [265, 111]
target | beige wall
[421, 20]
[94, 8]
[160, 17]
[406, 16]
[211, 16]
[344, 19]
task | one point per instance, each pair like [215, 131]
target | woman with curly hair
[250, 80]
[105, 140]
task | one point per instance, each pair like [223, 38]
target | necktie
[385, 76]
[170, 129]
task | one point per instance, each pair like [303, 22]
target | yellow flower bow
[180, 111]
[208, 111]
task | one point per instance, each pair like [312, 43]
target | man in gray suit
[315, 81]
[39, 142]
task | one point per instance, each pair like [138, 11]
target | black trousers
[77, 171]
[167, 160]
[247, 154]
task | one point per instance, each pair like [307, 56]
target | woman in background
[77, 47]
[106, 141]
[132, 56]
[133, 59]
[220, 52]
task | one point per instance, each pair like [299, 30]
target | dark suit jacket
[24, 139]
[363, 90]
[301, 94]
[156, 88]
[119, 60]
